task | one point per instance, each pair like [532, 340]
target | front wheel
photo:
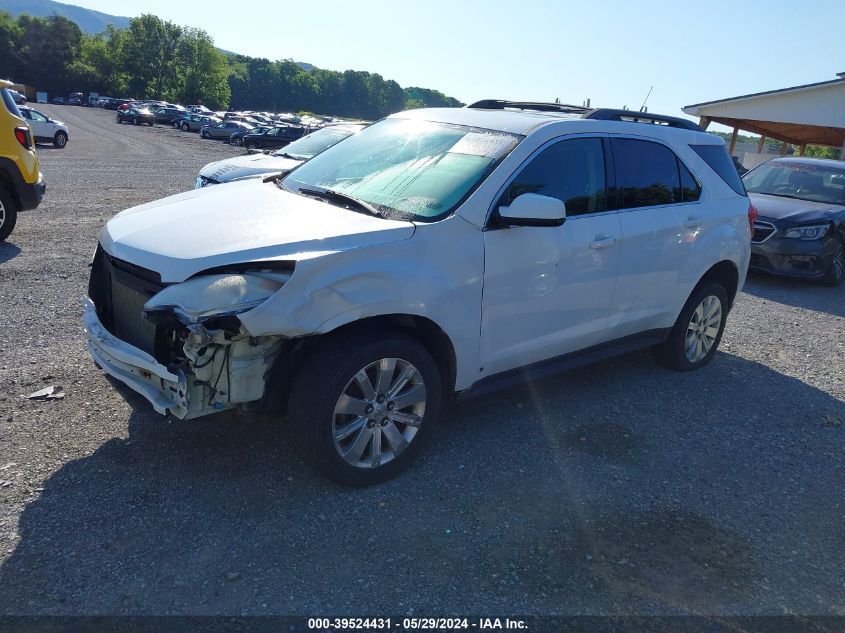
[696, 334]
[251, 146]
[60, 139]
[8, 214]
[236, 141]
[364, 406]
[205, 135]
[135, 121]
[185, 127]
[835, 273]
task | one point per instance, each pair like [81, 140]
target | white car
[44, 129]
[279, 162]
[436, 252]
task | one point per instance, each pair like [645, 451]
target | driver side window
[571, 171]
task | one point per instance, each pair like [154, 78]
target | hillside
[89, 21]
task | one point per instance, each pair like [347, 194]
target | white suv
[436, 252]
[44, 129]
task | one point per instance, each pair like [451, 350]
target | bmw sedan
[800, 229]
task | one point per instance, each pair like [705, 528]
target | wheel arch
[725, 273]
[428, 333]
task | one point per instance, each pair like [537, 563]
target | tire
[185, 127]
[119, 121]
[252, 146]
[835, 273]
[329, 375]
[205, 135]
[60, 139]
[8, 214]
[708, 298]
[135, 121]
[149, 123]
[237, 142]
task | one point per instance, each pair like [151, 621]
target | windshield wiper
[344, 198]
[286, 155]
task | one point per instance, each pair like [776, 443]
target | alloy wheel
[839, 263]
[379, 413]
[703, 328]
[2, 214]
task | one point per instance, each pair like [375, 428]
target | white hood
[247, 166]
[242, 222]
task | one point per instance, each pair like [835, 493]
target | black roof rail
[599, 114]
[610, 114]
[501, 104]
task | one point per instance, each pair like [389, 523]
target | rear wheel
[185, 127]
[205, 135]
[835, 273]
[60, 139]
[364, 406]
[698, 330]
[8, 214]
[236, 141]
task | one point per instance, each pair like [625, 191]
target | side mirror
[532, 209]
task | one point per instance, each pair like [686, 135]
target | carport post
[842, 152]
[802, 148]
[704, 122]
[761, 144]
[733, 141]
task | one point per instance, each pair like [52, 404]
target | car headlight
[217, 295]
[814, 232]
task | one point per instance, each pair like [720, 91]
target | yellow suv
[21, 183]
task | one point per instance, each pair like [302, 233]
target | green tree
[10, 37]
[149, 57]
[45, 48]
[202, 70]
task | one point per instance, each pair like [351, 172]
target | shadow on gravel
[674, 502]
[8, 251]
[795, 292]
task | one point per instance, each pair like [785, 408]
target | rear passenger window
[690, 189]
[646, 174]
[571, 171]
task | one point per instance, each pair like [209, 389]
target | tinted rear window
[717, 157]
[11, 106]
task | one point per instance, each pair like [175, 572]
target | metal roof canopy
[809, 114]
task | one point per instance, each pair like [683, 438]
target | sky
[610, 52]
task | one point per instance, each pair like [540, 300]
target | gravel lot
[621, 489]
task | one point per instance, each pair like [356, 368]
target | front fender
[436, 274]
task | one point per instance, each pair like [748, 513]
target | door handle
[693, 223]
[602, 241]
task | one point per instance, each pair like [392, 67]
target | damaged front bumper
[165, 390]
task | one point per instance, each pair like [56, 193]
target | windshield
[817, 183]
[408, 168]
[315, 143]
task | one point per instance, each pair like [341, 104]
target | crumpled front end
[187, 365]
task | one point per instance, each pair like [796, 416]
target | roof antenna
[642, 107]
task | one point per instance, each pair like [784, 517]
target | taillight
[752, 217]
[22, 134]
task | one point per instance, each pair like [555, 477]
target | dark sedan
[238, 137]
[168, 115]
[800, 229]
[275, 137]
[136, 116]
